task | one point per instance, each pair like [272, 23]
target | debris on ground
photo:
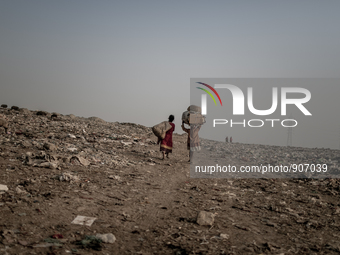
[106, 238]
[91, 242]
[54, 167]
[205, 218]
[83, 220]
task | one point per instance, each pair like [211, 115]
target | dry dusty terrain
[60, 167]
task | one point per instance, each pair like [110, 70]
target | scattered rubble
[68, 177]
[205, 218]
[106, 238]
[4, 124]
[91, 242]
[54, 167]
[83, 220]
[3, 188]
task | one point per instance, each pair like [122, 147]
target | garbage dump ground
[73, 185]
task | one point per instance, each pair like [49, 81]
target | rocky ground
[54, 168]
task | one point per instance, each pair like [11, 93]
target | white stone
[3, 187]
[205, 218]
[106, 238]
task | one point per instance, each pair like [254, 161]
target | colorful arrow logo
[208, 92]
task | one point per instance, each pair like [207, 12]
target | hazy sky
[131, 61]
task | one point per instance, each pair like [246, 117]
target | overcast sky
[131, 61]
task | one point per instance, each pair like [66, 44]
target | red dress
[166, 143]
